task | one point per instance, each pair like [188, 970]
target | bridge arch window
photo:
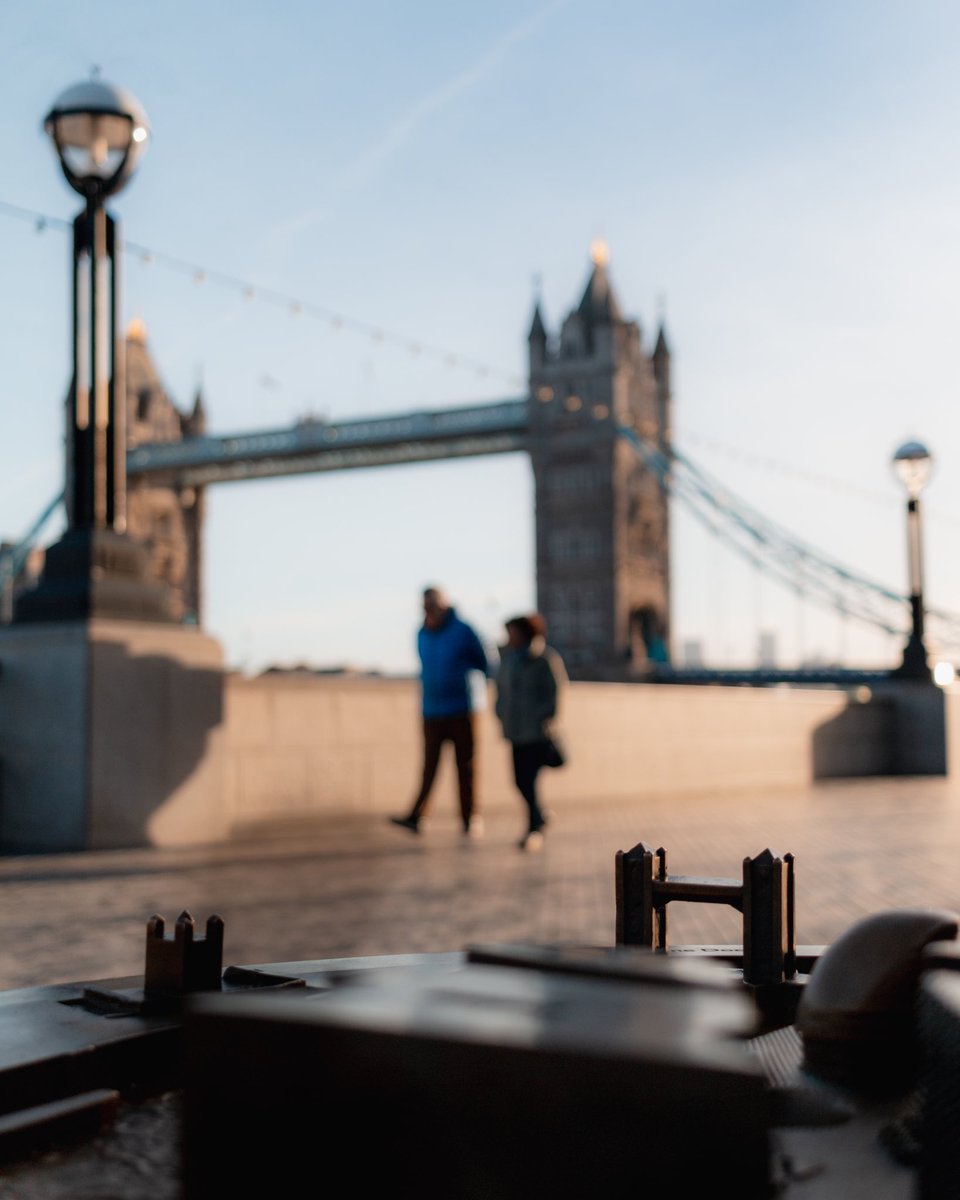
[569, 544]
[591, 625]
[572, 478]
[560, 626]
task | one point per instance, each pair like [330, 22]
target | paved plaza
[355, 885]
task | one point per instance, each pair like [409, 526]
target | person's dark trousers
[457, 729]
[527, 761]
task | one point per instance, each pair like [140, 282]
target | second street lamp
[913, 463]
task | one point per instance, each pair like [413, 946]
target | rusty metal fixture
[764, 895]
[183, 963]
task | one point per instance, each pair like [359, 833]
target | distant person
[657, 651]
[449, 650]
[529, 682]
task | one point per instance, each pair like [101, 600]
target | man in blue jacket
[449, 650]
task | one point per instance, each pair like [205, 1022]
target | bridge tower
[166, 520]
[602, 528]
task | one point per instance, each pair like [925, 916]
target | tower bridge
[595, 424]
[602, 546]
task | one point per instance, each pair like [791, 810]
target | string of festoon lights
[380, 335]
[295, 306]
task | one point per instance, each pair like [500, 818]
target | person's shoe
[475, 829]
[410, 823]
[532, 843]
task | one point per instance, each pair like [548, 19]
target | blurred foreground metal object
[480, 1080]
[502, 1070]
[765, 897]
[767, 958]
[183, 963]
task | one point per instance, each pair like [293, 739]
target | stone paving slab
[349, 885]
[354, 885]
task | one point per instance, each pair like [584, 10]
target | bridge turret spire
[538, 331]
[599, 303]
[660, 360]
[537, 337]
[197, 420]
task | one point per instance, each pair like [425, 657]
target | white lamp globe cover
[913, 463]
[100, 130]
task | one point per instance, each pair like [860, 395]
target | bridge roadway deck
[355, 885]
[345, 886]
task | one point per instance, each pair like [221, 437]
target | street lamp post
[99, 132]
[913, 463]
[109, 706]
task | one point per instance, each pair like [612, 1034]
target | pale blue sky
[784, 178]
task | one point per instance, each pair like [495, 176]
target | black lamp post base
[914, 664]
[94, 573]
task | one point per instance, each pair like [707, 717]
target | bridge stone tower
[166, 520]
[602, 528]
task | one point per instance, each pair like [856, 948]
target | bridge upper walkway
[312, 445]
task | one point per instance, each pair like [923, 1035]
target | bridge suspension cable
[294, 305]
[13, 558]
[784, 556]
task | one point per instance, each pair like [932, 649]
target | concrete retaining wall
[109, 736]
[117, 735]
[297, 746]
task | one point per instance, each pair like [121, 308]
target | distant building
[602, 528]
[767, 650]
[691, 653]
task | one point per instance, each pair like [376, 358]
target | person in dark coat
[529, 683]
